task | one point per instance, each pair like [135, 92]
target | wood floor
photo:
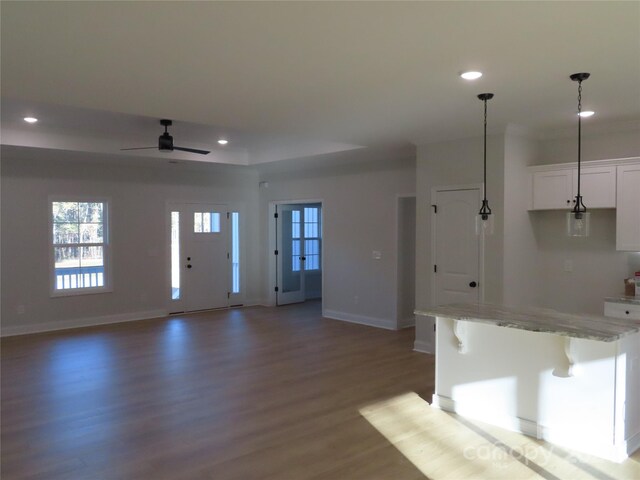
[255, 393]
[248, 393]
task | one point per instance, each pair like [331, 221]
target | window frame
[106, 246]
[318, 238]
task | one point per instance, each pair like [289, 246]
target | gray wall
[359, 211]
[459, 163]
[607, 141]
[598, 269]
[532, 246]
[138, 236]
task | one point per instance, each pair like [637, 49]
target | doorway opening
[298, 252]
[406, 270]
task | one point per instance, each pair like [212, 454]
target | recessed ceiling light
[471, 75]
[222, 141]
[587, 113]
[30, 119]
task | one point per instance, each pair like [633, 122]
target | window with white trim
[309, 228]
[312, 238]
[79, 247]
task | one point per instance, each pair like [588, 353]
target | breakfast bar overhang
[573, 380]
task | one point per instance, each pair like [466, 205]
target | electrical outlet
[21, 309]
[376, 255]
[568, 266]
[356, 299]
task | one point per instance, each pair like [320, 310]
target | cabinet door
[597, 187]
[552, 190]
[628, 208]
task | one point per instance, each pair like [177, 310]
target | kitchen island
[573, 380]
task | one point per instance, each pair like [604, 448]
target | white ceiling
[284, 80]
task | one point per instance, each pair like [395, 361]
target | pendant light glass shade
[485, 226]
[578, 218]
[484, 219]
[578, 224]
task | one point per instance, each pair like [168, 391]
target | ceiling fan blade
[192, 150]
[138, 148]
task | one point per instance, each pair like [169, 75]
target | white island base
[580, 393]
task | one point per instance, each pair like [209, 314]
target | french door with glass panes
[298, 243]
[200, 257]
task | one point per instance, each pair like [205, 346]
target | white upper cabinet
[556, 188]
[597, 186]
[603, 184]
[628, 208]
[552, 189]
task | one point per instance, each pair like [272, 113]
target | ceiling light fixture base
[579, 77]
[485, 96]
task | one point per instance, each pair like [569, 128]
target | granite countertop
[624, 299]
[538, 320]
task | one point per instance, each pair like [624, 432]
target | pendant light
[578, 217]
[484, 219]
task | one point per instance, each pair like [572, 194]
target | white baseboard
[360, 319]
[80, 322]
[507, 422]
[422, 347]
[633, 443]
[559, 436]
[257, 302]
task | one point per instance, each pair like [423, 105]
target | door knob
[473, 284]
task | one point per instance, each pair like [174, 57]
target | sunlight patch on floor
[444, 446]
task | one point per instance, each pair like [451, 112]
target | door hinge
[434, 327]
[227, 255]
[227, 215]
[435, 269]
[276, 289]
[275, 215]
[435, 208]
[228, 294]
[275, 252]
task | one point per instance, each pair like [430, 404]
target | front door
[457, 246]
[199, 257]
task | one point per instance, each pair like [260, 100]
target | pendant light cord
[485, 211]
[579, 207]
[579, 132]
[485, 150]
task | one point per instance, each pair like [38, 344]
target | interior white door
[205, 257]
[291, 258]
[457, 247]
